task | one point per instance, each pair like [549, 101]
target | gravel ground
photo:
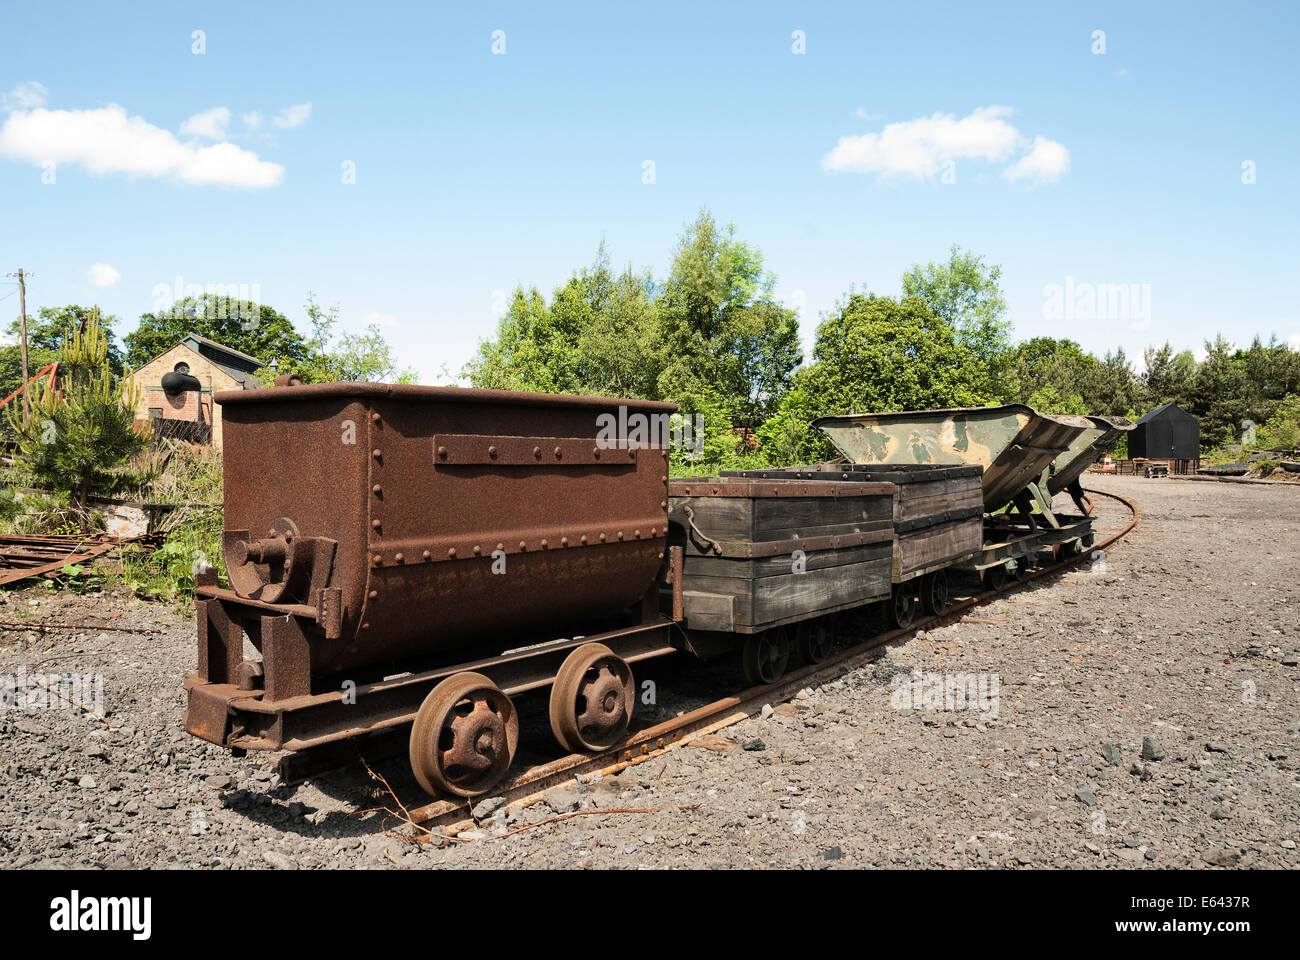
[1140, 713]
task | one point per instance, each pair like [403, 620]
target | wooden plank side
[931, 545]
[705, 610]
[719, 518]
[712, 566]
[778, 598]
[762, 520]
[756, 602]
[777, 519]
[925, 499]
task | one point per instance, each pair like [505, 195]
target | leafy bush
[1282, 430]
[79, 432]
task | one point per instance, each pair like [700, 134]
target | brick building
[215, 366]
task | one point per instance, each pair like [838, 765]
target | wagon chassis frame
[1006, 540]
[241, 717]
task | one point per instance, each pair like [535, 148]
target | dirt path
[1184, 636]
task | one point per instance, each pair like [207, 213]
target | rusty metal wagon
[404, 555]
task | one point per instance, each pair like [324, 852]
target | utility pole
[22, 330]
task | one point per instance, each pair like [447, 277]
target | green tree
[1282, 431]
[1270, 371]
[711, 330]
[787, 438]
[1051, 373]
[720, 326]
[526, 354]
[967, 295]
[46, 331]
[81, 431]
[595, 337]
[1110, 387]
[1217, 396]
[1047, 399]
[256, 329]
[352, 358]
[615, 344]
[1168, 375]
[879, 354]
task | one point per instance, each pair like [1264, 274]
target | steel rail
[655, 741]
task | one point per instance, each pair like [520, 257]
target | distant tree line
[712, 338]
[258, 330]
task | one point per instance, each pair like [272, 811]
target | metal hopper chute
[1015, 444]
[1090, 446]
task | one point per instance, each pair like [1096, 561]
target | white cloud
[251, 120]
[917, 148]
[211, 124]
[106, 140]
[25, 96]
[1293, 341]
[103, 275]
[291, 117]
[383, 319]
[1046, 162]
[920, 148]
[862, 114]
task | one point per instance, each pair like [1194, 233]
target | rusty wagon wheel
[766, 655]
[995, 577]
[815, 640]
[902, 606]
[464, 736]
[934, 593]
[592, 699]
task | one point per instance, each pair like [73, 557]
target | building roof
[1163, 408]
[242, 377]
[228, 360]
[222, 348]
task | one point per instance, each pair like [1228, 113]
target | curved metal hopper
[1013, 443]
[1089, 447]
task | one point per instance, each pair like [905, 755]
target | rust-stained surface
[1013, 443]
[403, 498]
[23, 556]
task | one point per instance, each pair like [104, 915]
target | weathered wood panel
[765, 600]
[736, 592]
[936, 545]
[782, 564]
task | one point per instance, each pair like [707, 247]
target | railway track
[451, 817]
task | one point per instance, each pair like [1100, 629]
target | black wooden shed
[1166, 433]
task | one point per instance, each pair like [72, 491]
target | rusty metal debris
[23, 556]
[82, 627]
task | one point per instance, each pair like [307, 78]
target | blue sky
[474, 171]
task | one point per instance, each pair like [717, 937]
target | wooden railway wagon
[764, 555]
[937, 519]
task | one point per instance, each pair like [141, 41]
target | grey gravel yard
[1138, 714]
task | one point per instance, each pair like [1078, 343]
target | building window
[155, 413]
[182, 368]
